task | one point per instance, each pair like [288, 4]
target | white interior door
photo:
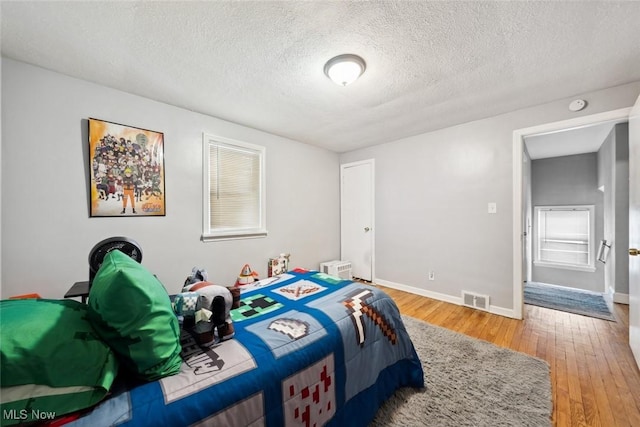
[634, 230]
[357, 217]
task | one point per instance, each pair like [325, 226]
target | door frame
[372, 207]
[634, 303]
[518, 214]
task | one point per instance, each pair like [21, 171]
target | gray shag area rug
[469, 382]
[576, 301]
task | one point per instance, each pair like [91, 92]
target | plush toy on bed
[186, 305]
[211, 312]
[197, 275]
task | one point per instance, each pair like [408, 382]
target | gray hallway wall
[569, 180]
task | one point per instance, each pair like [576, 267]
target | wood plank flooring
[595, 380]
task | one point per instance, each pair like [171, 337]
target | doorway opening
[558, 140]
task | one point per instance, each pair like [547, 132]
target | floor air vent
[475, 300]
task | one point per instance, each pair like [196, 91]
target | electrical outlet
[432, 275]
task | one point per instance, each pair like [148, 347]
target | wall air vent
[473, 300]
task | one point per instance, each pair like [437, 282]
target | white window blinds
[235, 197]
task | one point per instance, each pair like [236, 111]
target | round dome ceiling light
[345, 69]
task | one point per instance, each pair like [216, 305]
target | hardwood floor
[595, 380]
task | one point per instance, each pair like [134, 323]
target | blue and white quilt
[309, 350]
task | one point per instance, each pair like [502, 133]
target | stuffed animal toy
[205, 308]
[246, 276]
[197, 275]
[219, 301]
[186, 305]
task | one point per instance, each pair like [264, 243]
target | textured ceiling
[260, 64]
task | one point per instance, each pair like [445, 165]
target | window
[565, 237]
[234, 189]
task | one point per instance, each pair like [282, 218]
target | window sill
[234, 236]
[565, 267]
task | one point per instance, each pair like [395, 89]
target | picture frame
[126, 165]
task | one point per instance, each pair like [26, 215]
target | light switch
[492, 208]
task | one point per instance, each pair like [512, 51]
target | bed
[309, 349]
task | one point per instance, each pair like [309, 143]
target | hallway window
[234, 189]
[565, 237]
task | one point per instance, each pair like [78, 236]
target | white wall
[432, 192]
[613, 175]
[46, 230]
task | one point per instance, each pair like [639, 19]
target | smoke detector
[577, 105]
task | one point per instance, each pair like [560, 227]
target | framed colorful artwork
[127, 170]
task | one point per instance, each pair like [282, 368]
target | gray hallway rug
[570, 300]
[469, 383]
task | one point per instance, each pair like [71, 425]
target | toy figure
[214, 299]
[186, 305]
[246, 276]
[218, 300]
[197, 275]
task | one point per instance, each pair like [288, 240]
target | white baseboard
[501, 311]
[425, 293]
[621, 298]
[612, 296]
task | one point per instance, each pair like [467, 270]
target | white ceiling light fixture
[345, 69]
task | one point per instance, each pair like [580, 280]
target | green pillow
[52, 360]
[131, 311]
